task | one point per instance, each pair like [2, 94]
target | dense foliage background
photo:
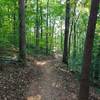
[45, 24]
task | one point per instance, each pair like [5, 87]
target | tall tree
[84, 84]
[37, 24]
[22, 41]
[47, 27]
[14, 23]
[41, 18]
[67, 18]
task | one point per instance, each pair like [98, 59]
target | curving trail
[51, 83]
[43, 78]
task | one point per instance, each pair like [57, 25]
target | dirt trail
[42, 79]
[50, 84]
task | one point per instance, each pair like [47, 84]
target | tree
[14, 23]
[67, 18]
[84, 83]
[47, 28]
[22, 41]
[41, 18]
[37, 24]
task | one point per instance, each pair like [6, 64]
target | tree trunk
[84, 84]
[14, 25]
[22, 41]
[47, 28]
[37, 24]
[52, 34]
[74, 40]
[67, 18]
[41, 20]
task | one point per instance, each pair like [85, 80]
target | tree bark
[67, 18]
[37, 24]
[41, 17]
[84, 84]
[47, 47]
[22, 40]
[14, 25]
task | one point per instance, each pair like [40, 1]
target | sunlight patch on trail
[38, 97]
[41, 63]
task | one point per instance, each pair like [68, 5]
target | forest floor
[44, 78]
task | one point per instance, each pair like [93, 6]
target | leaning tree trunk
[22, 41]
[67, 18]
[84, 84]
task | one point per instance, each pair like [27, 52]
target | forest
[49, 49]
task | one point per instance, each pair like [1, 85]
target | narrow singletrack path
[51, 83]
[42, 78]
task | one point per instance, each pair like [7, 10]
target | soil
[43, 78]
